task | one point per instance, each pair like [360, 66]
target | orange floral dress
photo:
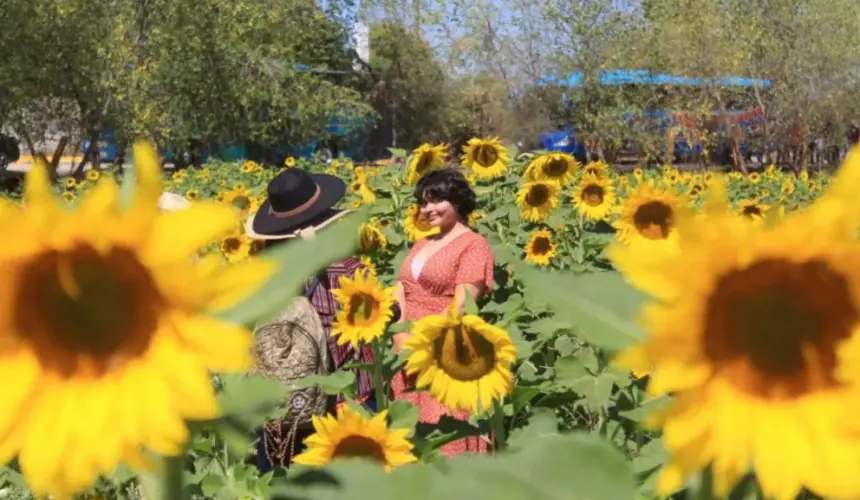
[466, 259]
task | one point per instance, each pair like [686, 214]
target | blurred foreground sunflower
[594, 197]
[540, 249]
[365, 309]
[755, 331]
[536, 200]
[424, 159]
[416, 226]
[466, 362]
[350, 435]
[486, 158]
[104, 324]
[558, 167]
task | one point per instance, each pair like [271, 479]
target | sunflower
[696, 188]
[487, 158]
[474, 217]
[752, 209]
[93, 175]
[594, 197]
[466, 362]
[290, 162]
[537, 200]
[558, 167]
[648, 213]
[371, 239]
[240, 198]
[350, 435]
[69, 196]
[787, 186]
[754, 177]
[599, 169]
[368, 197]
[755, 330]
[540, 249]
[248, 167]
[638, 174]
[425, 158]
[236, 247]
[416, 226]
[105, 319]
[192, 194]
[365, 309]
[368, 265]
[355, 204]
[179, 175]
[70, 182]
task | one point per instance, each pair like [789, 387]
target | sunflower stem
[497, 422]
[174, 480]
[378, 387]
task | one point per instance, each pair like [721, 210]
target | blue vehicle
[680, 128]
[564, 140]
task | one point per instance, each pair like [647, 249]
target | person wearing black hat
[298, 205]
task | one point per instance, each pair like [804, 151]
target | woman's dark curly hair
[448, 184]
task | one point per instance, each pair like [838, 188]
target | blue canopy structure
[645, 77]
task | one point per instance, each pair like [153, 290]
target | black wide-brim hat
[295, 199]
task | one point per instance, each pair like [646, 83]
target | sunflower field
[651, 334]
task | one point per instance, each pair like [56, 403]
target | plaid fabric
[326, 306]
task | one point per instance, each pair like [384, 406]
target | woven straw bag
[291, 347]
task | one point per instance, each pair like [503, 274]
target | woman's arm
[476, 290]
[400, 296]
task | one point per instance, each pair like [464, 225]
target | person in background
[298, 205]
[441, 270]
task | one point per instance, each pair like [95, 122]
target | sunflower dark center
[464, 355]
[653, 220]
[369, 240]
[751, 210]
[556, 167]
[593, 195]
[82, 310]
[695, 189]
[485, 155]
[773, 327]
[363, 309]
[425, 161]
[541, 246]
[538, 195]
[231, 244]
[359, 447]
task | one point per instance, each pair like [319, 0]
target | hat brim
[266, 226]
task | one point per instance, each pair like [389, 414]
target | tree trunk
[91, 149]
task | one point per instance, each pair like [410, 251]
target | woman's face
[439, 213]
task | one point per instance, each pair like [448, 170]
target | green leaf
[561, 467]
[543, 424]
[601, 304]
[339, 382]
[244, 395]
[403, 415]
[397, 152]
[471, 305]
[648, 407]
[127, 188]
[297, 260]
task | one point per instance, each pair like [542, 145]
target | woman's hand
[400, 340]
